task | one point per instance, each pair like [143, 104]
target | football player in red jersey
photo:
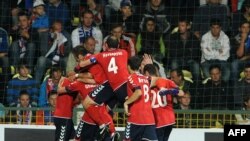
[162, 105]
[140, 122]
[100, 111]
[114, 63]
[63, 114]
[102, 93]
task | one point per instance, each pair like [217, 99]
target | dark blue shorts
[121, 93]
[102, 93]
[88, 132]
[64, 129]
[140, 132]
[163, 133]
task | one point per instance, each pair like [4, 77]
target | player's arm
[135, 96]
[167, 86]
[72, 87]
[84, 63]
[86, 80]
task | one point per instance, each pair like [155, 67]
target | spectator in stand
[112, 7]
[185, 120]
[22, 116]
[125, 42]
[80, 34]
[89, 45]
[126, 17]
[215, 48]
[41, 20]
[48, 115]
[244, 119]
[157, 10]
[59, 48]
[4, 62]
[150, 40]
[23, 46]
[49, 85]
[184, 102]
[184, 84]
[20, 82]
[183, 50]
[239, 16]
[242, 88]
[204, 14]
[241, 51]
[58, 10]
[215, 94]
[17, 6]
[97, 11]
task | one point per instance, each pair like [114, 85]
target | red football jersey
[97, 72]
[165, 83]
[114, 64]
[162, 108]
[64, 103]
[82, 88]
[141, 111]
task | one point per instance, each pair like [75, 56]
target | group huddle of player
[104, 79]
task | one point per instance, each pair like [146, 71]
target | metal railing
[184, 118]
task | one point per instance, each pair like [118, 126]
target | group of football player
[100, 82]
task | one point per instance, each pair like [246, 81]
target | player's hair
[134, 62]
[214, 67]
[79, 50]
[151, 69]
[112, 42]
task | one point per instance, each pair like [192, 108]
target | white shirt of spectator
[96, 33]
[211, 47]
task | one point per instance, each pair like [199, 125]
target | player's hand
[126, 109]
[147, 59]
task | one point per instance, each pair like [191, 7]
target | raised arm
[84, 63]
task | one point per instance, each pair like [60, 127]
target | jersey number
[146, 93]
[112, 66]
[158, 101]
